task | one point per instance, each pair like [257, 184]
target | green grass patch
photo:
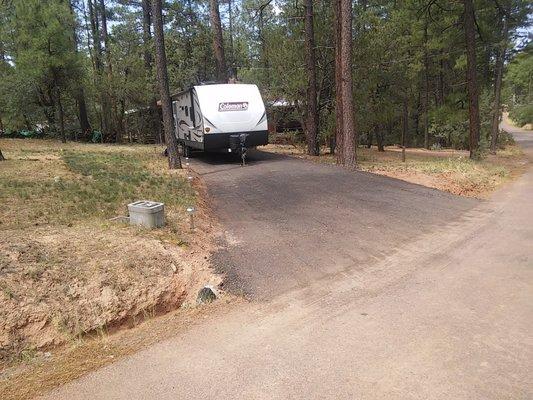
[99, 185]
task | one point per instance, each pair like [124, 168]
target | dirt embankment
[67, 271]
[59, 285]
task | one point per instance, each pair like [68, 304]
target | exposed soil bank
[59, 285]
[66, 270]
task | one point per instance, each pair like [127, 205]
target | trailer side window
[187, 111]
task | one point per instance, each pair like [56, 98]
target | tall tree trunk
[88, 35]
[121, 126]
[79, 92]
[379, 137]
[191, 24]
[348, 117]
[264, 59]
[416, 117]
[61, 116]
[190, 34]
[441, 95]
[2, 60]
[83, 116]
[369, 139]
[485, 77]
[174, 160]
[496, 111]
[27, 122]
[232, 70]
[95, 33]
[471, 77]
[147, 56]
[147, 34]
[339, 133]
[405, 124]
[310, 60]
[426, 87]
[115, 131]
[218, 41]
[98, 66]
[105, 38]
[47, 99]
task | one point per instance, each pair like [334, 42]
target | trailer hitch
[238, 144]
[242, 140]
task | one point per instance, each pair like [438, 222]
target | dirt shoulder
[48, 370]
[447, 170]
[67, 272]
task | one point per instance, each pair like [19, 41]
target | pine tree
[174, 160]
[147, 58]
[346, 85]
[311, 125]
[471, 77]
[218, 41]
[498, 78]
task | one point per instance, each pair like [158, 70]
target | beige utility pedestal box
[149, 214]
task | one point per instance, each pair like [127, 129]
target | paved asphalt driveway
[290, 222]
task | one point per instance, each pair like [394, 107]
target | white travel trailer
[214, 117]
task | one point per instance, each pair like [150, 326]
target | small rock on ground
[206, 295]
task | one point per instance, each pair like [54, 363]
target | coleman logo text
[233, 106]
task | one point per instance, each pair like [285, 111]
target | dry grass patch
[448, 170]
[61, 185]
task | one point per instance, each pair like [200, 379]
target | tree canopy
[81, 68]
